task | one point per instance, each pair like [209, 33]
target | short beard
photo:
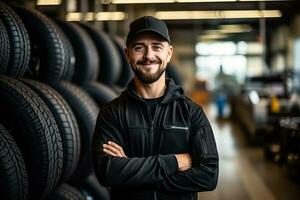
[147, 79]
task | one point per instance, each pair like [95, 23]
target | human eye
[157, 47]
[138, 48]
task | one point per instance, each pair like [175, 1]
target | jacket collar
[172, 93]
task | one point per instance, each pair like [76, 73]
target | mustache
[146, 61]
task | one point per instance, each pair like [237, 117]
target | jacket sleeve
[203, 175]
[125, 172]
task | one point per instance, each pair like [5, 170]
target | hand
[114, 149]
[184, 161]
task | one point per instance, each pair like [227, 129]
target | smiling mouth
[149, 65]
[148, 62]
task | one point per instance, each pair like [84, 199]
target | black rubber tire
[13, 174]
[87, 58]
[67, 125]
[126, 71]
[66, 192]
[100, 92]
[4, 48]
[117, 89]
[97, 191]
[110, 63]
[86, 111]
[69, 71]
[36, 133]
[19, 42]
[54, 52]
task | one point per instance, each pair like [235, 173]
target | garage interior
[239, 59]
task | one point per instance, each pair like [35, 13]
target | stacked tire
[46, 120]
[88, 62]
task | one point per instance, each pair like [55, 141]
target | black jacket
[150, 171]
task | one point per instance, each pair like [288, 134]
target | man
[153, 142]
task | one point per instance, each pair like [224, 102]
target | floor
[244, 173]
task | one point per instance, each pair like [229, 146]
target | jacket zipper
[155, 196]
[154, 116]
[151, 120]
[177, 127]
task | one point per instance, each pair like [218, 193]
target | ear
[126, 51]
[170, 53]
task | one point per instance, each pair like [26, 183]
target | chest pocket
[139, 141]
[176, 139]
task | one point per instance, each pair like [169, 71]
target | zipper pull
[177, 127]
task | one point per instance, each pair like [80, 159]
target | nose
[149, 53]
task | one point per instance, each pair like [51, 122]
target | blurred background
[239, 59]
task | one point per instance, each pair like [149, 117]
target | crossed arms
[193, 171]
[184, 160]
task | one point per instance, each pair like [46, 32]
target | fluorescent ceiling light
[163, 1]
[140, 1]
[169, 15]
[234, 28]
[225, 14]
[110, 16]
[100, 16]
[200, 1]
[89, 16]
[263, 0]
[252, 14]
[228, 31]
[48, 2]
[74, 16]
[172, 1]
[212, 37]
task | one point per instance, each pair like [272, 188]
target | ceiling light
[110, 16]
[48, 2]
[173, 15]
[227, 29]
[163, 1]
[212, 37]
[263, 0]
[233, 31]
[201, 1]
[235, 28]
[226, 14]
[140, 1]
[100, 16]
[251, 14]
[89, 16]
[74, 16]
[172, 1]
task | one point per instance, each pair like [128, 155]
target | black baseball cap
[147, 24]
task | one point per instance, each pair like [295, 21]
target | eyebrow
[137, 43]
[158, 43]
[141, 43]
